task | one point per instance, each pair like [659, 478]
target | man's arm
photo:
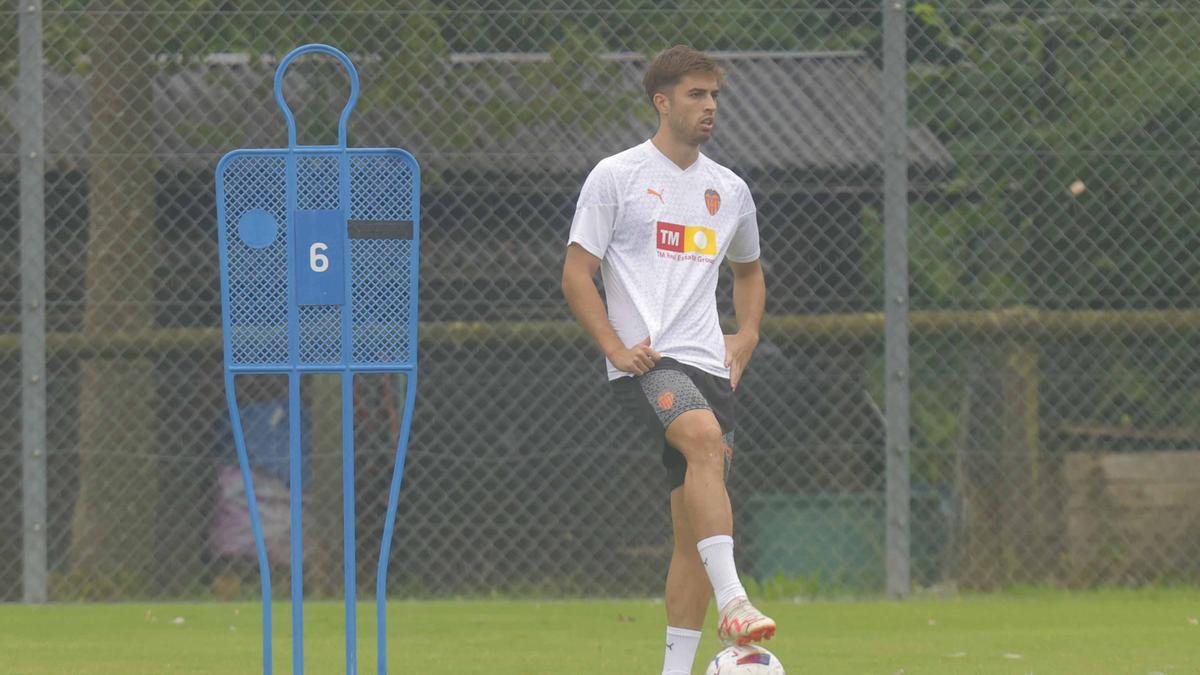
[579, 270]
[749, 301]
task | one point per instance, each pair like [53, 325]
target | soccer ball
[744, 660]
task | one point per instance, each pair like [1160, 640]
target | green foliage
[648, 25]
[1074, 136]
[408, 43]
[783, 587]
[1040, 103]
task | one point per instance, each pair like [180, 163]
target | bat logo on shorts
[712, 199]
[666, 400]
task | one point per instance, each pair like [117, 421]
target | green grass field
[1141, 632]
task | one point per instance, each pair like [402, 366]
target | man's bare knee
[697, 435]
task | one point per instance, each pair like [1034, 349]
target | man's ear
[662, 103]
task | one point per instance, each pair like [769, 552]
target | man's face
[691, 108]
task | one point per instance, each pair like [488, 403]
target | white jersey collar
[653, 149]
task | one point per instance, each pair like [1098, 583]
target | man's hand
[738, 350]
[638, 359]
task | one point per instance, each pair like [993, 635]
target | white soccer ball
[744, 660]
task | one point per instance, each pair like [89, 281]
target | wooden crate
[1133, 517]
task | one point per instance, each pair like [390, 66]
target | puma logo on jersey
[656, 193]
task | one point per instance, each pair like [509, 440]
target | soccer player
[657, 220]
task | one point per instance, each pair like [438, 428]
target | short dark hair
[669, 67]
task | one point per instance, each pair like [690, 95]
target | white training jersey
[661, 233]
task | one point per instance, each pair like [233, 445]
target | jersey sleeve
[744, 246]
[595, 212]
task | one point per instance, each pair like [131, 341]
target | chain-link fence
[1053, 252]
[1057, 279]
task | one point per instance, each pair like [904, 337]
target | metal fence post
[895, 207]
[33, 303]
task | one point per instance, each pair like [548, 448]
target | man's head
[682, 84]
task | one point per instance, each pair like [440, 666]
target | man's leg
[688, 593]
[688, 589]
[697, 435]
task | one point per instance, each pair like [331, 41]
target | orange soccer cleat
[742, 624]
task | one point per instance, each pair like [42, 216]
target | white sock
[680, 651]
[717, 555]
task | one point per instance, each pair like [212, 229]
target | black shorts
[652, 401]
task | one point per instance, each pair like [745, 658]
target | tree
[118, 495]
